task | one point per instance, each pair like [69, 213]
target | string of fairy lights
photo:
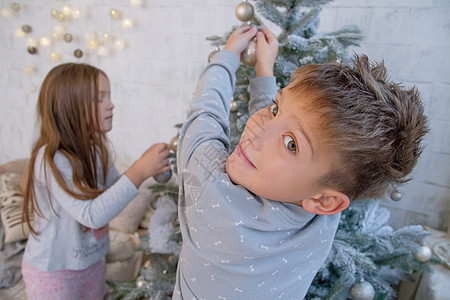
[61, 36]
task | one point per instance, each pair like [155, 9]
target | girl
[73, 189]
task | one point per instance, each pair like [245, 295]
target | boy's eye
[274, 109]
[290, 143]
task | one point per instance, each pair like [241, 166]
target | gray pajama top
[237, 245]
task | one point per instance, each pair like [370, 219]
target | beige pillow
[11, 205]
[16, 166]
[129, 219]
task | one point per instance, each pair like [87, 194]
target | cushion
[129, 219]
[16, 166]
[120, 247]
[11, 204]
[123, 262]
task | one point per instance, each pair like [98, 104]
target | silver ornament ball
[244, 11]
[163, 177]
[68, 37]
[140, 282]
[248, 56]
[363, 290]
[423, 254]
[396, 195]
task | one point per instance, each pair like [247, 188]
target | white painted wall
[153, 79]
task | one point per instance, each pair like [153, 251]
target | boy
[259, 223]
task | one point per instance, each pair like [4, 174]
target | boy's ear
[329, 202]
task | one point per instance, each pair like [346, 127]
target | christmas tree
[368, 258]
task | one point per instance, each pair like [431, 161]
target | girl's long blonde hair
[67, 110]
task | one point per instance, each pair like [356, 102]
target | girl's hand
[152, 162]
[266, 52]
[239, 39]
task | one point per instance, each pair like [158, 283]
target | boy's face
[278, 156]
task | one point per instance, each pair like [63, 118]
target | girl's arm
[94, 213]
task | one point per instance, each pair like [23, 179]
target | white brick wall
[152, 81]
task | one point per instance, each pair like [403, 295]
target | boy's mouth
[241, 153]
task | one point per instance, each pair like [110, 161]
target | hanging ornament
[120, 44]
[29, 69]
[32, 88]
[76, 13]
[45, 41]
[93, 44]
[67, 11]
[244, 11]
[127, 23]
[363, 290]
[147, 264]
[248, 56]
[55, 56]
[54, 13]
[19, 33]
[115, 14]
[423, 253]
[163, 177]
[6, 13]
[58, 32]
[32, 50]
[102, 51]
[234, 106]
[136, 3]
[396, 195]
[105, 37]
[32, 43]
[140, 282]
[78, 53]
[26, 28]
[174, 143]
[212, 54]
[15, 6]
[68, 37]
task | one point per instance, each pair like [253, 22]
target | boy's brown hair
[374, 126]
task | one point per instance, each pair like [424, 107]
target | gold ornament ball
[212, 54]
[78, 53]
[68, 37]
[248, 56]
[115, 14]
[423, 254]
[54, 13]
[15, 6]
[234, 106]
[174, 143]
[147, 264]
[244, 11]
[28, 69]
[32, 50]
[26, 28]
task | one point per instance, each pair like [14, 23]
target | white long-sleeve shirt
[62, 242]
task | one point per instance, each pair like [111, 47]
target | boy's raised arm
[263, 88]
[208, 115]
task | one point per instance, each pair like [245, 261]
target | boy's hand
[239, 39]
[266, 52]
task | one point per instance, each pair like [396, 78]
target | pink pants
[87, 284]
